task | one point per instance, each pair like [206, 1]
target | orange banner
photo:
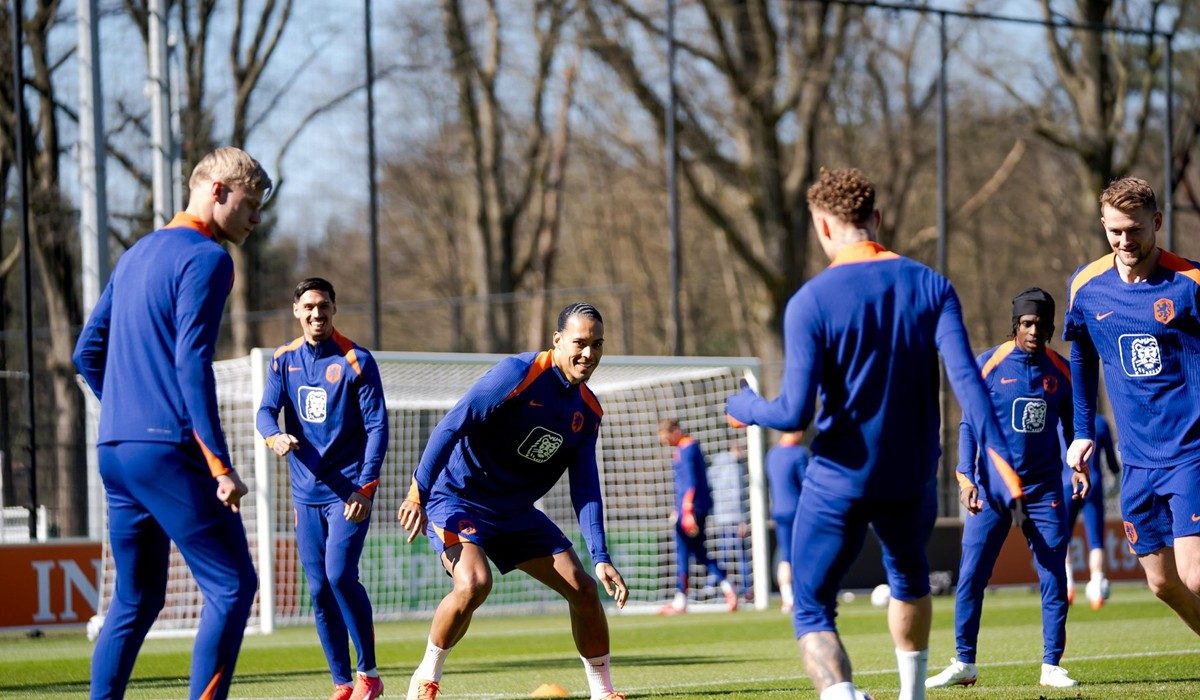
[1015, 564]
[49, 584]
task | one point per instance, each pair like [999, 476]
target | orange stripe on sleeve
[1183, 266]
[347, 349]
[1011, 480]
[271, 440]
[541, 363]
[590, 399]
[1093, 270]
[215, 465]
[1060, 363]
[368, 489]
[414, 494]
[1003, 351]
[282, 349]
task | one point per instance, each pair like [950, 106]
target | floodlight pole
[18, 56]
[372, 188]
[673, 188]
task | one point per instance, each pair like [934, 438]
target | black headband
[1034, 301]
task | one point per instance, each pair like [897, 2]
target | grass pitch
[1133, 648]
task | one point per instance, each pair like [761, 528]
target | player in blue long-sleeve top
[147, 352]
[693, 503]
[1031, 385]
[500, 449]
[1138, 310]
[336, 437]
[1091, 507]
[786, 463]
[865, 333]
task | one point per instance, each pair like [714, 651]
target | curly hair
[1129, 194]
[845, 193]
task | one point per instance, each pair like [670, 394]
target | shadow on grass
[160, 682]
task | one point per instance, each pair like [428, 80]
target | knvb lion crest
[577, 422]
[1050, 384]
[466, 527]
[1029, 415]
[1164, 310]
[333, 373]
[540, 445]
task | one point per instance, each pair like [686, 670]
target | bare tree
[748, 143]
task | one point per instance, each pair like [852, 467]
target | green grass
[1134, 648]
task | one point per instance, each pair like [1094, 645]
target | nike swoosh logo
[1007, 380]
[1195, 518]
[1053, 504]
[539, 404]
[1101, 317]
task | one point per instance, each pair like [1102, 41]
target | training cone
[549, 690]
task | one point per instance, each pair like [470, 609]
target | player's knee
[472, 589]
[583, 592]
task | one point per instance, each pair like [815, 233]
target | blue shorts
[507, 541]
[829, 534]
[1159, 505]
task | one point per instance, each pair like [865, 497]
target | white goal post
[406, 581]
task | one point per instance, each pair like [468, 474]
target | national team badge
[1140, 355]
[1050, 383]
[577, 422]
[311, 403]
[540, 445]
[466, 527]
[1130, 533]
[333, 373]
[1028, 414]
[1164, 310]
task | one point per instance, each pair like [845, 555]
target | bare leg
[1187, 561]
[825, 659]
[564, 574]
[1164, 580]
[909, 622]
[472, 584]
[1095, 562]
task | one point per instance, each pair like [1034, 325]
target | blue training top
[1033, 393]
[691, 478]
[333, 404]
[147, 350]
[1148, 334]
[785, 465]
[864, 332]
[510, 438]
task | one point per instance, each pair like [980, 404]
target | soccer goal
[406, 580]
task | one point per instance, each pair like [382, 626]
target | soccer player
[1092, 507]
[726, 475]
[866, 332]
[1136, 310]
[337, 434]
[786, 463]
[146, 352]
[501, 448]
[1031, 384]
[693, 503]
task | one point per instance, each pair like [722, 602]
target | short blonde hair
[1128, 194]
[232, 166]
[847, 194]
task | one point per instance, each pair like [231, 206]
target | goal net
[407, 580]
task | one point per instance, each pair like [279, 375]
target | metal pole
[176, 145]
[372, 189]
[673, 188]
[18, 16]
[943, 224]
[159, 117]
[1169, 148]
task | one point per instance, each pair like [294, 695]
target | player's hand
[737, 404]
[412, 518]
[614, 585]
[230, 490]
[1081, 484]
[1080, 453]
[284, 443]
[357, 508]
[969, 497]
[689, 525]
